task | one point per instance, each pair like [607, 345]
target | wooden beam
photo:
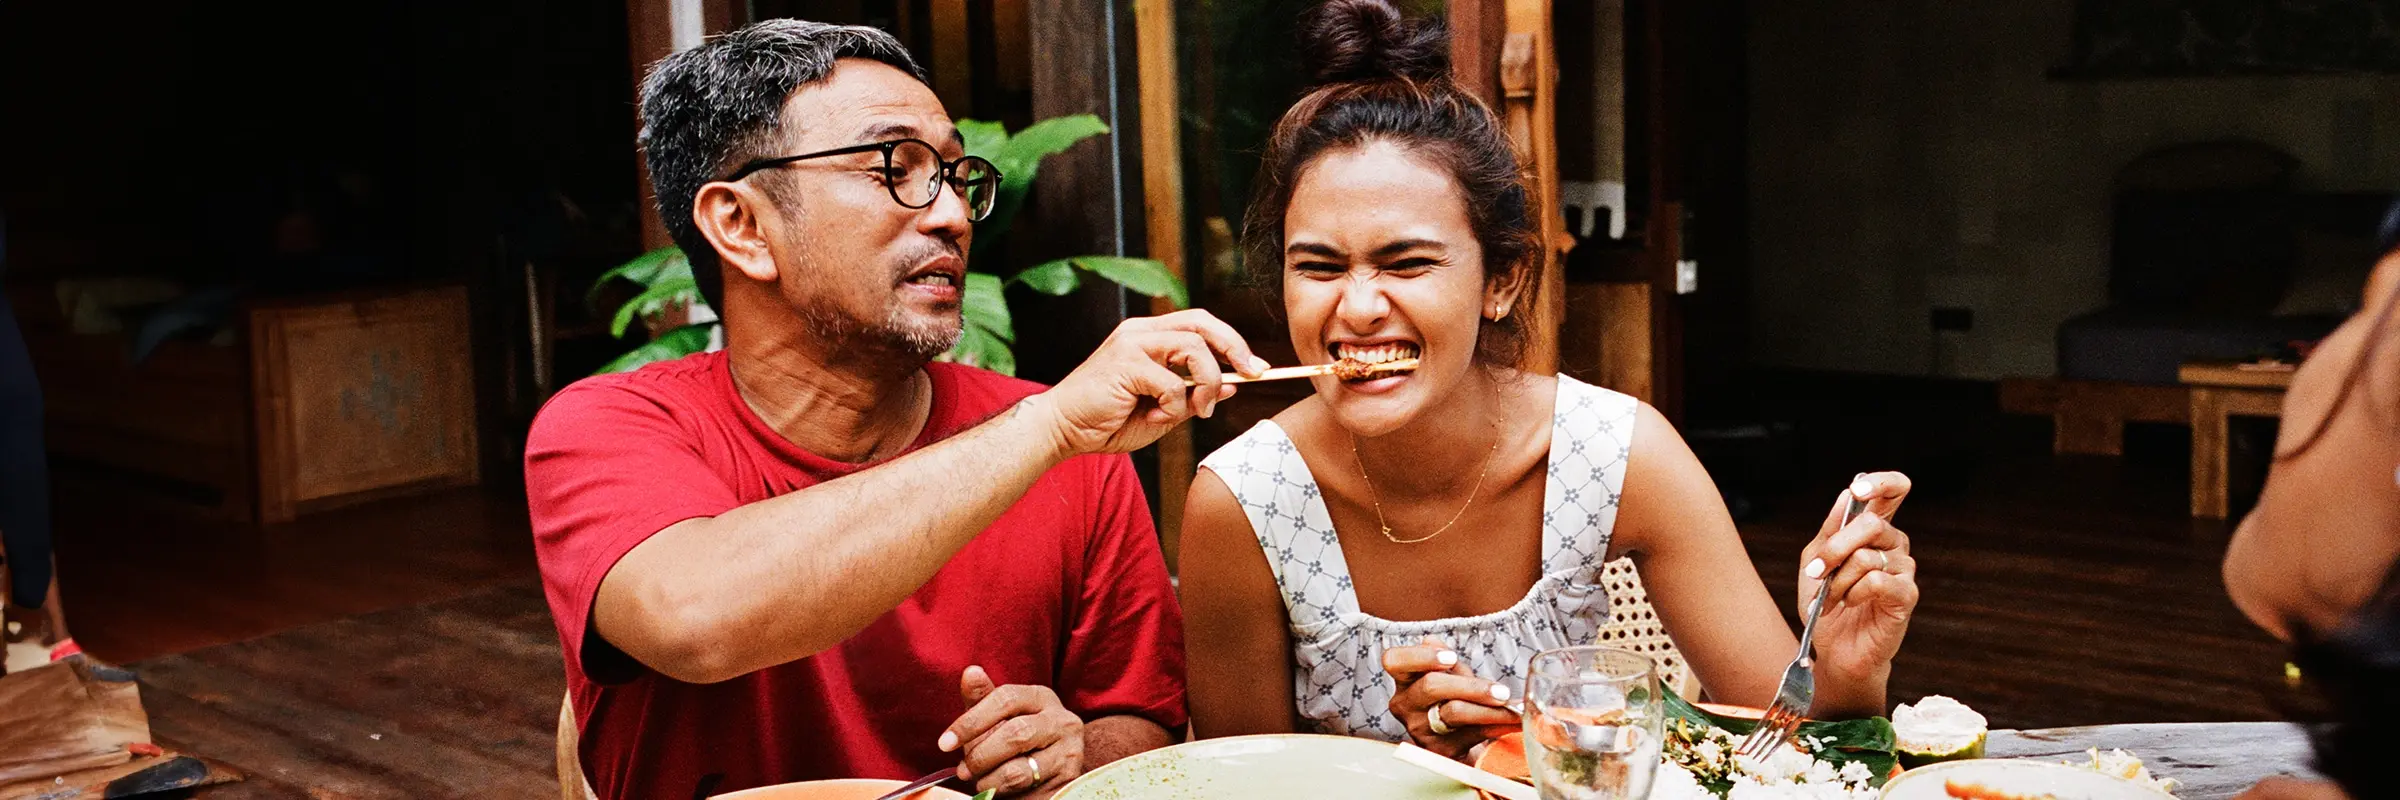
[1162, 204]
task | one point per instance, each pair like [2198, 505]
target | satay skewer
[1343, 369]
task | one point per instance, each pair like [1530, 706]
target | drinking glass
[1594, 723]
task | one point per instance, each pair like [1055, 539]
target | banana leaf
[1868, 741]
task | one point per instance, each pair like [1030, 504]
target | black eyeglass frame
[944, 172]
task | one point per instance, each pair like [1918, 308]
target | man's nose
[947, 217]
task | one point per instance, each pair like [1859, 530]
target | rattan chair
[1633, 625]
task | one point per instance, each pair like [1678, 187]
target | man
[817, 554]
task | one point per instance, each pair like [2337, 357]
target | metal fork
[1799, 680]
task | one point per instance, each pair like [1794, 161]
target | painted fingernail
[1500, 692]
[1446, 658]
[1815, 569]
[948, 743]
[1862, 490]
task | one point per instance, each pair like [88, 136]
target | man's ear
[728, 215]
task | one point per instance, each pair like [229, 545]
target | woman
[1383, 558]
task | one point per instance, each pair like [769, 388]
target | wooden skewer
[1314, 370]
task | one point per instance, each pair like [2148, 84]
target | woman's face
[1380, 263]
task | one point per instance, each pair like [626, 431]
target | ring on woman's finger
[1036, 766]
[1433, 720]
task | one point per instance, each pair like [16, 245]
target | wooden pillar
[1162, 205]
[1085, 201]
[1529, 107]
[654, 30]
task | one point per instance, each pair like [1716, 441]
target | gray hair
[707, 110]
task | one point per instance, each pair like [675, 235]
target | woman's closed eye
[1319, 269]
[1409, 267]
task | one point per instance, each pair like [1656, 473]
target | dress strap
[1279, 494]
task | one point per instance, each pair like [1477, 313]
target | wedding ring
[1036, 766]
[1433, 719]
[1883, 561]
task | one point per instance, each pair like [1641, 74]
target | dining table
[2208, 760]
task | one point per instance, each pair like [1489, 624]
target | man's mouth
[945, 272]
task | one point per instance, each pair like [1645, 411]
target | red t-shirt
[1067, 589]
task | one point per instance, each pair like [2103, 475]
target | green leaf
[977, 347]
[668, 346]
[982, 795]
[1020, 155]
[1144, 276]
[986, 307]
[643, 270]
[1052, 278]
[983, 138]
[1869, 741]
[666, 291]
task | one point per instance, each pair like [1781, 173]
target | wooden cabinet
[319, 400]
[356, 397]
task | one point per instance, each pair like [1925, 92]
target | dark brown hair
[1381, 77]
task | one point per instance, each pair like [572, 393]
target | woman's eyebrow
[1313, 249]
[1403, 246]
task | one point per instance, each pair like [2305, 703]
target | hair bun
[1368, 40]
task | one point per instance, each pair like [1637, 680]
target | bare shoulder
[1664, 483]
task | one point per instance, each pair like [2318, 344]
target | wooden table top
[2212, 760]
[2236, 375]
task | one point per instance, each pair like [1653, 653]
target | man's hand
[1130, 392]
[1017, 739]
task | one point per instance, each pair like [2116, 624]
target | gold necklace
[1497, 426]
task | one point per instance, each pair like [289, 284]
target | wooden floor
[143, 578]
[402, 649]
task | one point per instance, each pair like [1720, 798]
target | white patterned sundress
[1338, 682]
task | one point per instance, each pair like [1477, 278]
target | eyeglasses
[914, 172]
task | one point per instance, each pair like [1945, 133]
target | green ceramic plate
[1298, 766]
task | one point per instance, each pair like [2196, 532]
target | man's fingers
[1013, 737]
[974, 684]
[1192, 354]
[1220, 338]
[1001, 704]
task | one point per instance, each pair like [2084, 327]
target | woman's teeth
[1375, 354]
[935, 279]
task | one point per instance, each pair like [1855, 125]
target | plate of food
[1266, 766]
[1827, 759]
[1992, 779]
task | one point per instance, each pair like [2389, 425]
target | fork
[1799, 690]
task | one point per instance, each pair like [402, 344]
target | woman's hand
[1434, 687]
[1873, 594]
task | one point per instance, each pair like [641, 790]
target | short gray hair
[707, 110]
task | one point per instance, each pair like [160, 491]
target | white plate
[2029, 779]
[1297, 766]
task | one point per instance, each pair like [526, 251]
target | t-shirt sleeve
[1124, 653]
[606, 467]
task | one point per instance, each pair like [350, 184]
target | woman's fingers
[1407, 663]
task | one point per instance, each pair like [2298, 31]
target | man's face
[861, 270]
